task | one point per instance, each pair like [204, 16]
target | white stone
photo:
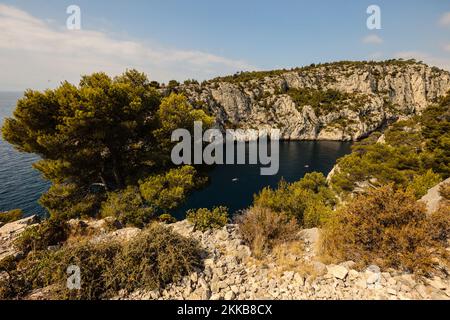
[229, 295]
[437, 283]
[338, 272]
[372, 277]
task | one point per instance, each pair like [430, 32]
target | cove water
[232, 186]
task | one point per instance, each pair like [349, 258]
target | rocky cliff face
[348, 99]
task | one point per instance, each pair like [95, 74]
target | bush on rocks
[10, 216]
[440, 224]
[444, 191]
[154, 258]
[388, 228]
[42, 269]
[308, 200]
[421, 183]
[167, 218]
[51, 232]
[128, 207]
[262, 229]
[204, 219]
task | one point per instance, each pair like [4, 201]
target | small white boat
[306, 165]
[235, 179]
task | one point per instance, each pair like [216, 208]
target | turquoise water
[230, 185]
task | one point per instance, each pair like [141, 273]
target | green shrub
[69, 201]
[51, 232]
[421, 183]
[168, 190]
[204, 219]
[380, 163]
[295, 199]
[10, 216]
[167, 218]
[316, 214]
[321, 101]
[128, 207]
[385, 227]
[313, 68]
[262, 229]
[416, 152]
[154, 258]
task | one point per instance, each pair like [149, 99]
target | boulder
[310, 236]
[339, 272]
[229, 295]
[372, 277]
[432, 199]
[437, 283]
[9, 233]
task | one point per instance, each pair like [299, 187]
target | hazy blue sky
[204, 38]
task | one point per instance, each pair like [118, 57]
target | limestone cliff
[333, 101]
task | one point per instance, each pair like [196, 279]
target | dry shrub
[53, 231]
[440, 223]
[444, 191]
[262, 229]
[156, 257]
[388, 228]
[285, 255]
[152, 259]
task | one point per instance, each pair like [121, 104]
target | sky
[202, 39]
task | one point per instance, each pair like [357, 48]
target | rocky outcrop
[433, 199]
[10, 231]
[381, 92]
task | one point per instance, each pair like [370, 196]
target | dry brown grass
[287, 255]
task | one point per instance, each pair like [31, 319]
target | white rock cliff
[384, 91]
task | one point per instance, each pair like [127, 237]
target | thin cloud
[33, 53]
[372, 39]
[445, 19]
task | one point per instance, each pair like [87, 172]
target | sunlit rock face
[377, 94]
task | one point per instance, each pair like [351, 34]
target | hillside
[333, 101]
